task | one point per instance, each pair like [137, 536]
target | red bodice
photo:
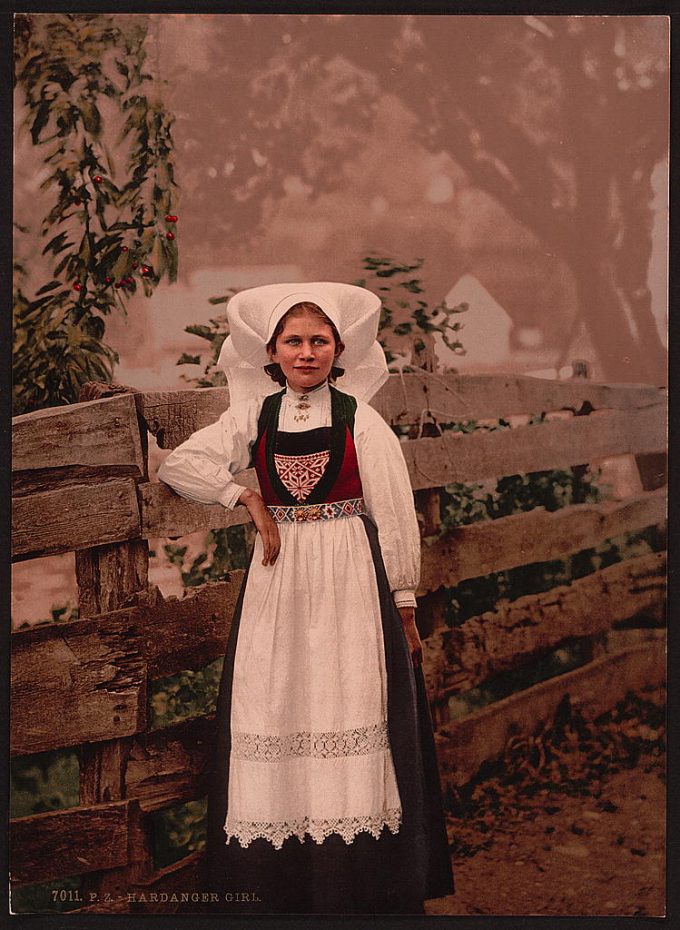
[346, 486]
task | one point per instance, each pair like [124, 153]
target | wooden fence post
[431, 613]
[110, 577]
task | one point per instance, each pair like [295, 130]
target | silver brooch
[302, 404]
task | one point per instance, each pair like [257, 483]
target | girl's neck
[310, 390]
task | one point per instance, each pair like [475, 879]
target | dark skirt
[393, 874]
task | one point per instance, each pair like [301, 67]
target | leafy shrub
[469, 503]
[46, 781]
[226, 549]
[184, 695]
[179, 831]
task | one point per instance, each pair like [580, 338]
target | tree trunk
[601, 309]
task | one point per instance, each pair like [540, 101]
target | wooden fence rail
[81, 484]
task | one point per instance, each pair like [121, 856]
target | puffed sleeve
[201, 468]
[389, 501]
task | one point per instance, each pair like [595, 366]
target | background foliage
[93, 106]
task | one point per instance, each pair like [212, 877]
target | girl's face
[305, 350]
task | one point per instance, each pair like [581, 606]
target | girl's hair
[274, 369]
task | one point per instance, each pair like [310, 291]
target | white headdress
[254, 313]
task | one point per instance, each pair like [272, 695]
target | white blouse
[202, 468]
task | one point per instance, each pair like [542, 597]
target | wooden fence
[81, 483]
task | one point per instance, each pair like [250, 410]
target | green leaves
[48, 287]
[179, 831]
[91, 117]
[53, 355]
[185, 695]
[44, 782]
[199, 329]
[225, 550]
[40, 120]
[66, 64]
[408, 326]
[56, 244]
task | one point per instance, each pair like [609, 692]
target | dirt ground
[571, 823]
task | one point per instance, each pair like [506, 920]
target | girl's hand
[408, 620]
[266, 527]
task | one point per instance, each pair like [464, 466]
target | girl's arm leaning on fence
[201, 468]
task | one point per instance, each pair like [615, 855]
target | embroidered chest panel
[301, 473]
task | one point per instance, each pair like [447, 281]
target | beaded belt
[330, 511]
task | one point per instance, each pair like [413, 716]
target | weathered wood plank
[593, 688]
[172, 765]
[96, 439]
[536, 536]
[450, 397]
[173, 415]
[508, 637]
[102, 771]
[93, 673]
[164, 513]
[110, 577]
[88, 676]
[190, 632]
[69, 842]
[78, 516]
[554, 444]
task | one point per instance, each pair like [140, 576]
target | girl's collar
[317, 393]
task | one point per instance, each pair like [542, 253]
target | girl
[325, 796]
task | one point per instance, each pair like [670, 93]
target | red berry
[129, 280]
[97, 179]
[108, 279]
[124, 248]
[169, 218]
[170, 236]
[118, 284]
[77, 287]
[145, 270]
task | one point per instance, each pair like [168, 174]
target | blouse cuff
[230, 495]
[405, 598]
